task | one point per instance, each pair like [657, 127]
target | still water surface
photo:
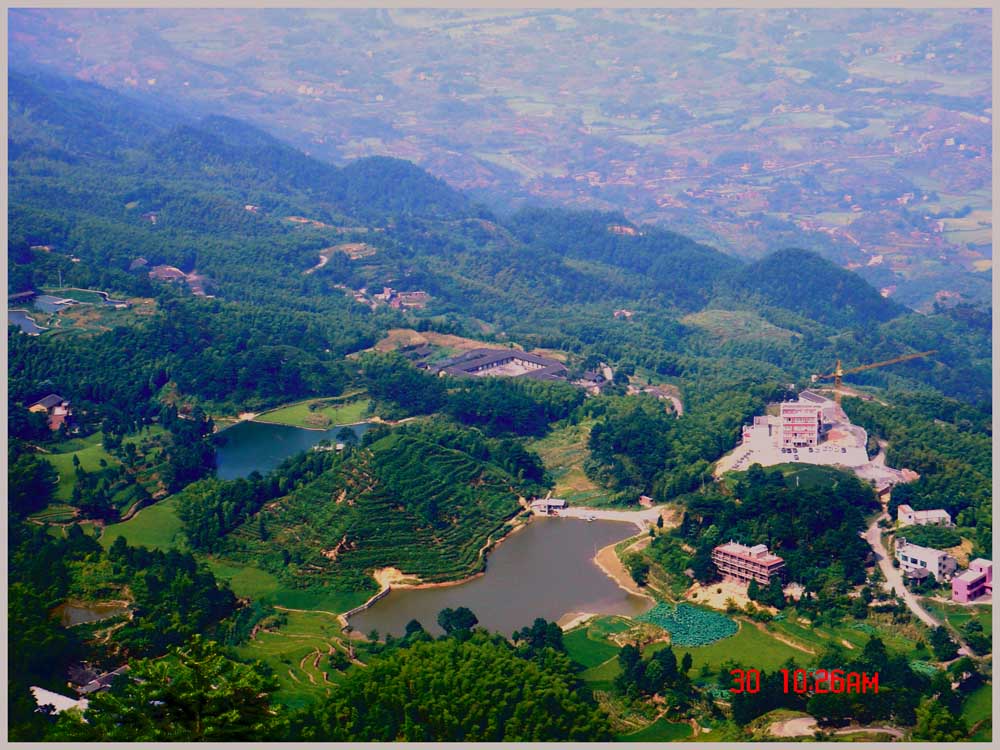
[24, 321]
[257, 446]
[75, 613]
[544, 570]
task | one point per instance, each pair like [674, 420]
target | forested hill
[68, 121]
[111, 182]
[802, 281]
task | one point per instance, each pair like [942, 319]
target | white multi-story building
[917, 561]
[801, 424]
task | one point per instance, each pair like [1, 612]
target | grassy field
[749, 647]
[957, 615]
[157, 527]
[978, 706]
[588, 646]
[298, 654]
[660, 730]
[246, 581]
[318, 414]
[89, 451]
[322, 600]
[563, 452]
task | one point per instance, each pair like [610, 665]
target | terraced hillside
[407, 501]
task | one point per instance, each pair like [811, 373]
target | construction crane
[839, 372]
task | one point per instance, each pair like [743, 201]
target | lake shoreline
[386, 577]
[557, 605]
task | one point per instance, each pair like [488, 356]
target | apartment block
[744, 564]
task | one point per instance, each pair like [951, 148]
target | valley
[554, 438]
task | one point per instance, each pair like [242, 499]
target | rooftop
[916, 549]
[53, 399]
[968, 575]
[757, 553]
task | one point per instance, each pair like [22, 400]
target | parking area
[843, 444]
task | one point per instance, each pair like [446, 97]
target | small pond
[76, 613]
[26, 323]
[258, 446]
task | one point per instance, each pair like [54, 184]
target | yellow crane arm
[893, 361]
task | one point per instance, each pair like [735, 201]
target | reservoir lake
[544, 570]
[258, 446]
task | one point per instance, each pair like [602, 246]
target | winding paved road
[894, 576]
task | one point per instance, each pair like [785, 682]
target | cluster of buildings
[742, 564]
[396, 299]
[738, 562]
[919, 562]
[505, 362]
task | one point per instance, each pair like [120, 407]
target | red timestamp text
[808, 681]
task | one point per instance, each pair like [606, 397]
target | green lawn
[325, 416]
[88, 450]
[660, 730]
[246, 581]
[978, 705]
[749, 647]
[602, 676]
[254, 583]
[587, 647]
[157, 527]
[147, 432]
[326, 600]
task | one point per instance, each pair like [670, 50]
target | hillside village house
[744, 564]
[973, 583]
[56, 407]
[919, 562]
[909, 517]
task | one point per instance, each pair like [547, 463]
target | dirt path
[787, 641]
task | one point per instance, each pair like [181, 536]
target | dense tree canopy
[476, 690]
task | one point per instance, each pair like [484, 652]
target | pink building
[801, 424]
[974, 582]
[743, 563]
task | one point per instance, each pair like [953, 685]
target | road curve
[894, 576]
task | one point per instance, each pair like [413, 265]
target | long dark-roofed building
[511, 363]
